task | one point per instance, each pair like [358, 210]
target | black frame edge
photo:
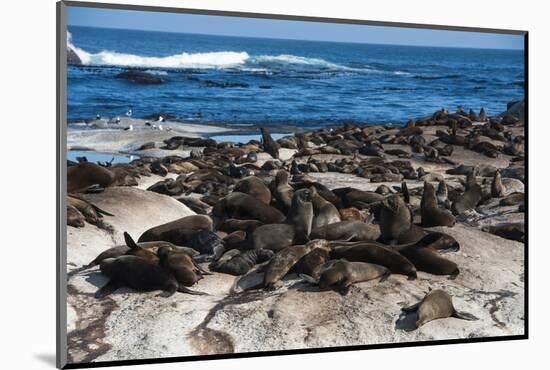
[61, 170]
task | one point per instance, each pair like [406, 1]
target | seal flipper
[107, 289]
[454, 274]
[130, 242]
[385, 276]
[309, 279]
[411, 308]
[464, 316]
[183, 289]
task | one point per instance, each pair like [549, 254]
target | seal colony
[261, 211]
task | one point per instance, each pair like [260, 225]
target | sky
[282, 29]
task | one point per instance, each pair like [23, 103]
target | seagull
[147, 123]
[160, 127]
[97, 116]
[117, 120]
[161, 119]
[129, 113]
[129, 128]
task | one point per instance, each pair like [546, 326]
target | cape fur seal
[512, 231]
[241, 263]
[281, 263]
[470, 198]
[497, 189]
[428, 259]
[346, 230]
[179, 231]
[180, 265]
[311, 263]
[273, 236]
[255, 187]
[396, 222]
[300, 215]
[270, 146]
[325, 212]
[86, 175]
[376, 253]
[430, 212]
[342, 274]
[139, 274]
[136, 250]
[246, 207]
[283, 191]
[437, 304]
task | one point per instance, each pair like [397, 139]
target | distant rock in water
[139, 77]
[515, 111]
[72, 57]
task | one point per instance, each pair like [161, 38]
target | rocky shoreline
[180, 173]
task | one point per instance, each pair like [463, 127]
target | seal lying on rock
[512, 231]
[428, 259]
[342, 274]
[179, 231]
[376, 253]
[347, 230]
[86, 175]
[285, 259]
[180, 265]
[241, 263]
[139, 274]
[246, 207]
[437, 304]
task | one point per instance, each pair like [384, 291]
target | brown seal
[376, 253]
[179, 231]
[139, 274]
[273, 236]
[281, 263]
[497, 189]
[86, 175]
[246, 207]
[242, 262]
[342, 274]
[121, 250]
[283, 191]
[255, 187]
[470, 198]
[513, 231]
[311, 263]
[325, 212]
[180, 265]
[396, 222]
[437, 304]
[74, 217]
[300, 215]
[347, 230]
[270, 146]
[428, 259]
[431, 214]
[136, 250]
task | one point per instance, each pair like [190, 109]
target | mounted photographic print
[235, 184]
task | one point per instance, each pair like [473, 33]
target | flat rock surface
[130, 325]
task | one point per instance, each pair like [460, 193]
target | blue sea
[270, 82]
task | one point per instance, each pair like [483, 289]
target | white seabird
[129, 128]
[129, 113]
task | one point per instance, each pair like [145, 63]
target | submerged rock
[139, 77]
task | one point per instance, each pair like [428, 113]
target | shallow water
[93, 156]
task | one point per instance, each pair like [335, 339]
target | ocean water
[274, 82]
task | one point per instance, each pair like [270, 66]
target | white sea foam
[217, 60]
